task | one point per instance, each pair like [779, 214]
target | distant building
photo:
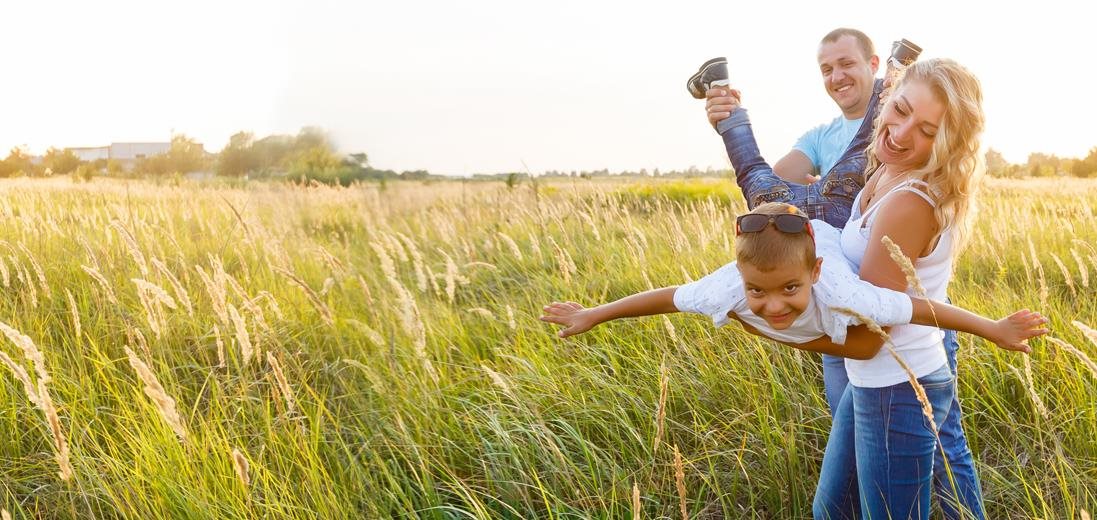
[92, 154]
[134, 151]
[127, 154]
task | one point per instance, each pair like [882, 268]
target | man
[848, 64]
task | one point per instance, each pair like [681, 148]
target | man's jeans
[831, 199]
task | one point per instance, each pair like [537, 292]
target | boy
[779, 287]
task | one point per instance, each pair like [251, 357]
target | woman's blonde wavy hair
[955, 167]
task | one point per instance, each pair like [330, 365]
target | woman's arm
[576, 319]
[860, 342]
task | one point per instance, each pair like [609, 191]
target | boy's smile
[779, 295]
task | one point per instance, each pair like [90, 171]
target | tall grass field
[279, 351]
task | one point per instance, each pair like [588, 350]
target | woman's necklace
[882, 182]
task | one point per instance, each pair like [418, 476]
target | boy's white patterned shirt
[722, 292]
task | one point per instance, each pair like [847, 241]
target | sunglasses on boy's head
[786, 223]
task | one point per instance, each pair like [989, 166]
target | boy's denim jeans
[830, 199]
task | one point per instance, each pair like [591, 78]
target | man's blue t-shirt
[826, 143]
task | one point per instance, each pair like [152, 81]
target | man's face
[847, 75]
[781, 294]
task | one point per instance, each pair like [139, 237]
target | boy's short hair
[770, 248]
[863, 41]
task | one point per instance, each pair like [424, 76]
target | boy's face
[781, 294]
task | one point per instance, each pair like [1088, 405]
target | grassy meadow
[274, 351]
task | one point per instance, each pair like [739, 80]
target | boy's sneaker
[713, 73]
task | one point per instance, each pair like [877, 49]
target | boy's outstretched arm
[1008, 333]
[577, 319]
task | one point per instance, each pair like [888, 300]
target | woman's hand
[574, 317]
[1011, 332]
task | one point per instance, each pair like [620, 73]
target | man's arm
[576, 319]
[796, 167]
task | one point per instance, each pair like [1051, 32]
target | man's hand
[720, 102]
[574, 318]
[1011, 332]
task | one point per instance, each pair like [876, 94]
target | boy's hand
[1011, 332]
[574, 318]
[720, 103]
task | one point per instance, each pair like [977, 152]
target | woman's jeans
[881, 436]
[830, 199]
[964, 478]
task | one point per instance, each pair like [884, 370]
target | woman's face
[908, 127]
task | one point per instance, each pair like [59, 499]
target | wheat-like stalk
[510, 319]
[21, 374]
[905, 265]
[247, 350]
[1066, 274]
[156, 293]
[283, 384]
[132, 247]
[321, 307]
[482, 312]
[5, 275]
[159, 396]
[75, 312]
[1082, 269]
[38, 272]
[670, 330]
[240, 466]
[180, 292]
[217, 295]
[451, 276]
[661, 410]
[1077, 353]
[60, 445]
[103, 284]
[1088, 332]
[1040, 274]
[511, 244]
[635, 501]
[30, 350]
[417, 262]
[220, 346]
[1032, 388]
[680, 482]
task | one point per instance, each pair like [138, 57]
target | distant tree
[60, 162]
[17, 163]
[186, 155]
[997, 166]
[317, 162]
[1086, 167]
[360, 159]
[238, 157]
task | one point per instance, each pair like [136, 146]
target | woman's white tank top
[920, 347]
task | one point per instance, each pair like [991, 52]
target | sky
[492, 86]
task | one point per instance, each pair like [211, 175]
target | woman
[924, 171]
